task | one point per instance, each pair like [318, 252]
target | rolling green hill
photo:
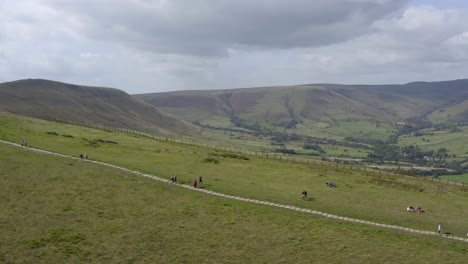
[360, 194]
[61, 210]
[57, 210]
[104, 106]
[454, 113]
[319, 109]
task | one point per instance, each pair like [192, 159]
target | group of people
[24, 143]
[85, 156]
[418, 210]
[195, 182]
[331, 185]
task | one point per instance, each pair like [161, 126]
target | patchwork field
[455, 142]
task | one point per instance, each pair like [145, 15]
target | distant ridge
[320, 108]
[97, 105]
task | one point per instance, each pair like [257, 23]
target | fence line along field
[220, 144]
[61, 210]
[359, 194]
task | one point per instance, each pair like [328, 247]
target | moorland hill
[96, 105]
[320, 109]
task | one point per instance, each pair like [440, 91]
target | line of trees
[414, 155]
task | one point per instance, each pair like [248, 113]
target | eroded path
[254, 201]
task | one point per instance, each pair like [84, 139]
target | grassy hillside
[360, 194]
[408, 100]
[105, 106]
[314, 111]
[321, 109]
[456, 114]
[56, 210]
[193, 106]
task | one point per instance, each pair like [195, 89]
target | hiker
[328, 185]
[439, 229]
[172, 178]
[304, 195]
[25, 143]
[195, 183]
[175, 178]
[22, 142]
[81, 156]
[200, 180]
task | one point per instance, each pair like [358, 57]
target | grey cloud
[210, 28]
[417, 45]
[149, 46]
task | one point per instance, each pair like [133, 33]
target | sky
[145, 46]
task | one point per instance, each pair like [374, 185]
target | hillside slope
[105, 106]
[411, 99]
[343, 110]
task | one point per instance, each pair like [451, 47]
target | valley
[371, 125]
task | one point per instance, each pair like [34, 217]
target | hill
[319, 109]
[417, 99]
[63, 210]
[382, 198]
[104, 106]
[95, 214]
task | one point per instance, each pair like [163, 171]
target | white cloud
[458, 40]
[149, 45]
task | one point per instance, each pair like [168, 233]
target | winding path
[254, 201]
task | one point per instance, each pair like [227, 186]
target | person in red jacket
[195, 183]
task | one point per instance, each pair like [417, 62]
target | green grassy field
[57, 210]
[459, 178]
[344, 150]
[454, 142]
[359, 195]
[363, 130]
[239, 140]
[235, 140]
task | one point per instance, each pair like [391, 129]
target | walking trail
[254, 201]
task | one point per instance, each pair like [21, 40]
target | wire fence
[339, 167]
[447, 229]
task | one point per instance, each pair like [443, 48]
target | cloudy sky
[145, 46]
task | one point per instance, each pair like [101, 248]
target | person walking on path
[200, 180]
[195, 183]
[81, 156]
[439, 229]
